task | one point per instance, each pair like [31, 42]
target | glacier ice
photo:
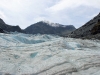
[26, 54]
[32, 55]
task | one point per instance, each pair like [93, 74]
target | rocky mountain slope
[42, 27]
[2, 31]
[89, 29]
[9, 28]
[96, 28]
[45, 27]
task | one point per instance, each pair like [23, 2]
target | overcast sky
[67, 12]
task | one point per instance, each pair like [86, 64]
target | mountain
[45, 27]
[9, 28]
[89, 29]
[42, 27]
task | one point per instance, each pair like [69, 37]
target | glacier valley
[26, 54]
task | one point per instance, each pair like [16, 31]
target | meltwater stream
[25, 54]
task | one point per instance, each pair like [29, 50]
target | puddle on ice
[32, 55]
[16, 56]
[46, 57]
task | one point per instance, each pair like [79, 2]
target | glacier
[26, 54]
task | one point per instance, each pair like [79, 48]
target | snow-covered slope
[53, 24]
[23, 54]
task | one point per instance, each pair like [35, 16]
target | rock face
[49, 28]
[1, 21]
[88, 28]
[1, 30]
[9, 28]
[96, 28]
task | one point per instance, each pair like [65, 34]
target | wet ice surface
[22, 54]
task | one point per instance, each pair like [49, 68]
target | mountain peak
[51, 23]
[46, 27]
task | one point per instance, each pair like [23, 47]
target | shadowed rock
[9, 28]
[88, 29]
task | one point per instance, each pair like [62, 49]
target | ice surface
[24, 54]
[32, 55]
